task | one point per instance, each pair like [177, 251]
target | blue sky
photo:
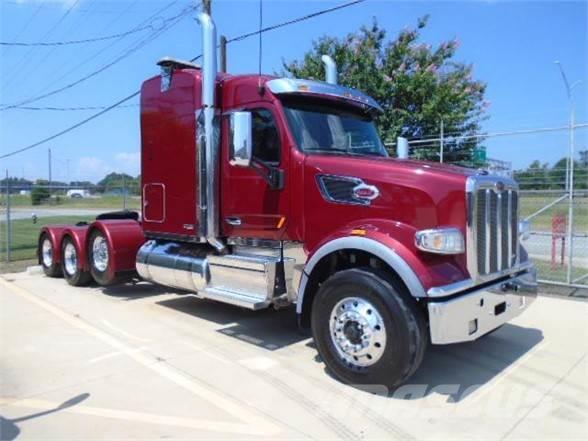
[512, 45]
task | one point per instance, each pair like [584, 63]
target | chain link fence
[558, 241]
[25, 209]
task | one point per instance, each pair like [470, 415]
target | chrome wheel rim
[47, 253]
[70, 259]
[357, 332]
[100, 253]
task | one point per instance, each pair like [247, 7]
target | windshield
[327, 128]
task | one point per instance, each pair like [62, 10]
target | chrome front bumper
[469, 316]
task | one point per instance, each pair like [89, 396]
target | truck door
[250, 207]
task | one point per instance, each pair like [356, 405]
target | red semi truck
[265, 192]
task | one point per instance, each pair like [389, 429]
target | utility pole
[223, 53]
[124, 180]
[8, 225]
[441, 142]
[206, 6]
[570, 170]
[50, 172]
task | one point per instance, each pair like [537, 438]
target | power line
[70, 42]
[75, 126]
[106, 66]
[68, 109]
[296, 20]
[490, 135]
[149, 19]
[127, 98]
[26, 58]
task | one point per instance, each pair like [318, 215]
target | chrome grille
[492, 226]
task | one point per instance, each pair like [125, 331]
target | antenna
[260, 87]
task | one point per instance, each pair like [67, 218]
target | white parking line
[252, 423]
[113, 354]
[124, 333]
[125, 415]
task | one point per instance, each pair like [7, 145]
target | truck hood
[417, 193]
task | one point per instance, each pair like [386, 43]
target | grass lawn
[25, 235]
[542, 222]
[558, 273]
[106, 202]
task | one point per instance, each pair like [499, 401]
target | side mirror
[241, 143]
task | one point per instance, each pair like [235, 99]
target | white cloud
[90, 168]
[128, 162]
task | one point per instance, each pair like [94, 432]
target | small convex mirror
[241, 139]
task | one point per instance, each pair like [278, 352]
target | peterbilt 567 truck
[264, 192]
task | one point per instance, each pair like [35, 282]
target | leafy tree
[417, 85]
[116, 182]
[40, 192]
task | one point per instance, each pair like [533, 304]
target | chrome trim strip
[488, 237]
[282, 86]
[499, 232]
[509, 229]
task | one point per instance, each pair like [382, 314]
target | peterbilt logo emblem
[499, 187]
[366, 192]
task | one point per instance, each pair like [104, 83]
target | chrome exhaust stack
[330, 69]
[208, 149]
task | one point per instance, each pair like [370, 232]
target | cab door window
[266, 138]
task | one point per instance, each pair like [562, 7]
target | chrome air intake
[330, 69]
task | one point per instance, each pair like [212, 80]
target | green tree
[417, 85]
[534, 177]
[115, 182]
[40, 192]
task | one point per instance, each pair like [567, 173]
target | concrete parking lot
[141, 362]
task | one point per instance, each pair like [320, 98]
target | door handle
[233, 220]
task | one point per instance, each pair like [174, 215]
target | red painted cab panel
[169, 160]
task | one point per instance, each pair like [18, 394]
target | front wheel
[368, 331]
[71, 266]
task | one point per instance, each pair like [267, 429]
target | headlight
[524, 229]
[440, 241]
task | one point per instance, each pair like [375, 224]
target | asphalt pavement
[143, 362]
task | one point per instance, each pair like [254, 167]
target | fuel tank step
[234, 298]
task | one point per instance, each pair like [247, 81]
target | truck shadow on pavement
[268, 329]
[456, 370]
[9, 429]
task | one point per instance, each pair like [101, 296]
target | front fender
[393, 243]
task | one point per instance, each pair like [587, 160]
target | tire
[46, 253]
[70, 266]
[100, 259]
[397, 333]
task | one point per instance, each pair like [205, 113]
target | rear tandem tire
[367, 329]
[47, 256]
[100, 260]
[70, 265]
